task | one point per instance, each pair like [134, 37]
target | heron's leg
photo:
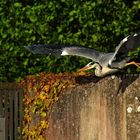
[133, 63]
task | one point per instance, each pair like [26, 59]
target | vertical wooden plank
[21, 113]
[11, 116]
[10, 104]
[2, 128]
[6, 106]
[15, 115]
[1, 105]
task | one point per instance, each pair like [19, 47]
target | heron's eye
[109, 65]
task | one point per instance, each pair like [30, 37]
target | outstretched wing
[70, 50]
[129, 43]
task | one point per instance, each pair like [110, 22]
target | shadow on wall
[93, 110]
[125, 80]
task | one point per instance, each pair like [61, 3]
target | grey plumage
[107, 62]
[129, 43]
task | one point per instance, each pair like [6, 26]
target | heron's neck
[103, 71]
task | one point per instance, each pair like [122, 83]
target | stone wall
[98, 109]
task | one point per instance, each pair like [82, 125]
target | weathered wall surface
[103, 109]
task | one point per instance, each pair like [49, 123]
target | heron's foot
[133, 63]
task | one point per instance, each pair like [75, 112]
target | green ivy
[96, 24]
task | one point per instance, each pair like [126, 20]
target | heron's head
[91, 65]
[99, 70]
[96, 66]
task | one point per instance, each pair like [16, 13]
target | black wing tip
[35, 45]
[29, 47]
[44, 49]
[33, 48]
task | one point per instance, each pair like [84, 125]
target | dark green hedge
[99, 24]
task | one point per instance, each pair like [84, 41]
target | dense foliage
[99, 24]
[41, 92]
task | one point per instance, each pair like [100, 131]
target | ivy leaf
[17, 4]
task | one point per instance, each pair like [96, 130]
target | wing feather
[65, 50]
[129, 43]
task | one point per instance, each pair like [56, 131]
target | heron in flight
[104, 63]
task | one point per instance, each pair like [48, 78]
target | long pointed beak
[87, 67]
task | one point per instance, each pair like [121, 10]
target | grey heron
[104, 63]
